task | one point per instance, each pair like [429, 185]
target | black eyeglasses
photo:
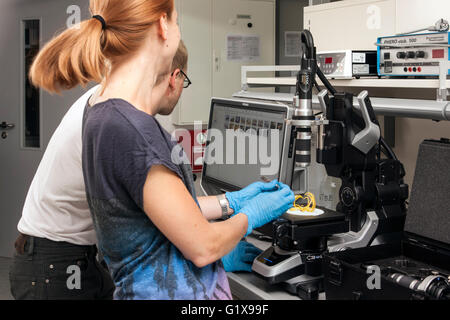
[187, 81]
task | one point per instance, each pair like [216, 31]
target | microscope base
[289, 270]
[276, 266]
[299, 273]
[305, 287]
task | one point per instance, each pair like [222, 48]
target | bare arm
[211, 208]
[174, 212]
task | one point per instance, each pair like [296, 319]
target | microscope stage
[297, 212]
[327, 216]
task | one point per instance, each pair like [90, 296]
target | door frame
[22, 92]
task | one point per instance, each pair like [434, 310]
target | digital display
[438, 54]
[329, 60]
[246, 124]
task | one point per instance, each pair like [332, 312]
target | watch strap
[223, 201]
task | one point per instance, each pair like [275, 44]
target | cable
[307, 42]
[388, 149]
[316, 85]
[383, 151]
[440, 26]
[325, 81]
[262, 237]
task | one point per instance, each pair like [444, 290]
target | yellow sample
[310, 206]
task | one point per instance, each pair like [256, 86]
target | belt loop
[31, 245]
[92, 251]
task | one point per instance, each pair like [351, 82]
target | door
[206, 28]
[28, 117]
[243, 35]
[195, 25]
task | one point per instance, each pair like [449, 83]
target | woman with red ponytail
[151, 231]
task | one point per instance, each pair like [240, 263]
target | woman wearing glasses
[149, 224]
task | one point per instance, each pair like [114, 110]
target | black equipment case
[419, 266]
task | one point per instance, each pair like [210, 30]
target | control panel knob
[420, 54]
[401, 55]
[411, 55]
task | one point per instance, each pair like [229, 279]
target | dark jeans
[46, 270]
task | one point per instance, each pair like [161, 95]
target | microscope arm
[367, 138]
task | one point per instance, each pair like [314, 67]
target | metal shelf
[357, 83]
[406, 108]
[440, 84]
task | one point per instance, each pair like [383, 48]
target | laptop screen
[245, 143]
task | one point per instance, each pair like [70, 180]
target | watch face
[224, 205]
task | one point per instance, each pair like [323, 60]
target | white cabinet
[206, 26]
[356, 24]
[351, 24]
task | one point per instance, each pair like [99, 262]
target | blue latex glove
[268, 206]
[241, 258]
[237, 200]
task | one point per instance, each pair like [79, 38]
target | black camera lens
[432, 287]
[439, 289]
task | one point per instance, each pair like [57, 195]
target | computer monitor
[251, 122]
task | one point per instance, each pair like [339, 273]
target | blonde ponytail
[74, 57]
[80, 54]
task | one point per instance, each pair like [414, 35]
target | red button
[410, 69]
[419, 69]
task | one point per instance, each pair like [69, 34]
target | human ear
[173, 79]
[164, 27]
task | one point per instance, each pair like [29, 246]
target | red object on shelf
[194, 144]
[198, 150]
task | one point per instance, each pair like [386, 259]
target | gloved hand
[241, 258]
[267, 206]
[237, 200]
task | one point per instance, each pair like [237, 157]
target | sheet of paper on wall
[292, 43]
[243, 47]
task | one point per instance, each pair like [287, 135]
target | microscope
[371, 210]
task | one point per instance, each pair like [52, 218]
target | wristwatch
[223, 201]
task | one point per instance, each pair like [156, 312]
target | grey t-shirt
[120, 145]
